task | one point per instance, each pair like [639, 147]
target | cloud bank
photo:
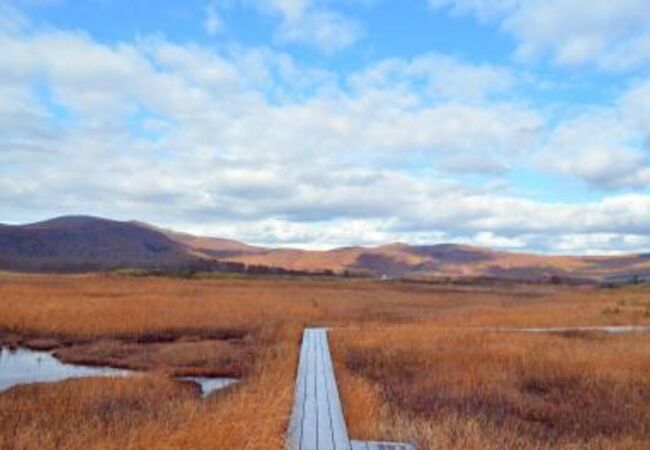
[250, 143]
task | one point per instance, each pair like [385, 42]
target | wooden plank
[294, 434]
[340, 433]
[324, 420]
[317, 421]
[359, 445]
[309, 439]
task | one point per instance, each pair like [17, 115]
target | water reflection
[210, 385]
[624, 329]
[24, 366]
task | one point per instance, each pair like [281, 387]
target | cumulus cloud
[605, 147]
[250, 144]
[635, 105]
[612, 35]
[437, 76]
[601, 243]
[600, 148]
[127, 96]
[327, 30]
[212, 23]
[310, 22]
[11, 19]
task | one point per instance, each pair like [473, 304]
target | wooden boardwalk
[317, 421]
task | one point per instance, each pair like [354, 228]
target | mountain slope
[452, 260]
[81, 243]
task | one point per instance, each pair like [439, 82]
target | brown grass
[456, 389]
[214, 358]
[151, 412]
[408, 367]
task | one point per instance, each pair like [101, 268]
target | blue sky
[514, 124]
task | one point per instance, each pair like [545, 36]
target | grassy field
[409, 363]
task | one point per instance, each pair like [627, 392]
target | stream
[23, 366]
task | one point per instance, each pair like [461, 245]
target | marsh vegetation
[411, 362]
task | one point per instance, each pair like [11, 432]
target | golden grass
[183, 358]
[445, 388]
[405, 368]
[81, 413]
[145, 412]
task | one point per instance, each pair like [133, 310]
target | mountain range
[85, 244]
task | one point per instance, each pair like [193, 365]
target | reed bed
[413, 362]
[457, 389]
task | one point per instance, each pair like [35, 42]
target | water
[625, 329]
[210, 385]
[24, 366]
[610, 330]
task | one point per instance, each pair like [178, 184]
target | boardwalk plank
[317, 421]
[324, 425]
[295, 426]
[309, 439]
[340, 433]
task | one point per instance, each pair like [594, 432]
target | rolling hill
[80, 244]
[83, 244]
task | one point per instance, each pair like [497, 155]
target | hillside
[454, 261]
[80, 244]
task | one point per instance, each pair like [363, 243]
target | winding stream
[24, 366]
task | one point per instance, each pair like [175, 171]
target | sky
[516, 124]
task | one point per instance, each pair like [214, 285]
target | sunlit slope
[78, 244]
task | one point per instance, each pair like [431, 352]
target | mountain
[81, 244]
[454, 261]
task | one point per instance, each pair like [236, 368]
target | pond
[24, 366]
[210, 385]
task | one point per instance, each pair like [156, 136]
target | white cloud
[289, 9]
[601, 243]
[443, 77]
[509, 215]
[11, 19]
[327, 30]
[219, 108]
[250, 143]
[600, 148]
[312, 23]
[492, 240]
[331, 234]
[605, 147]
[212, 23]
[635, 105]
[613, 35]
[483, 9]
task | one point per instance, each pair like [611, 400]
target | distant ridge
[85, 243]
